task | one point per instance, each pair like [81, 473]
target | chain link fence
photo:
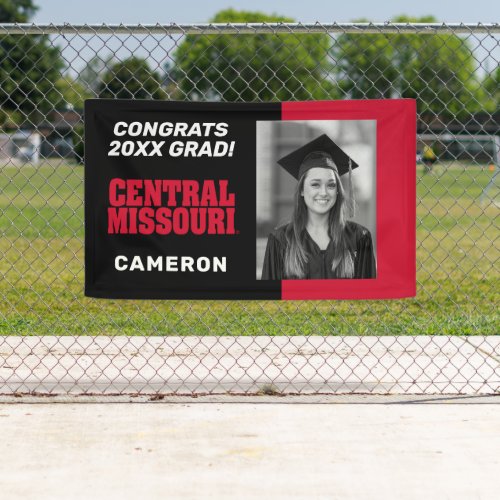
[56, 341]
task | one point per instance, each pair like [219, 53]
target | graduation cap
[322, 152]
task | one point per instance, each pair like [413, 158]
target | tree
[491, 88]
[92, 75]
[131, 79]
[72, 94]
[29, 67]
[365, 66]
[16, 11]
[253, 67]
[437, 70]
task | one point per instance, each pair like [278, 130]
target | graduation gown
[319, 265]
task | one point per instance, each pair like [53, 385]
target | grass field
[41, 270]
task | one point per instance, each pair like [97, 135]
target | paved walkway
[197, 365]
[265, 451]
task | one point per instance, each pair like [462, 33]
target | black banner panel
[170, 200]
[187, 200]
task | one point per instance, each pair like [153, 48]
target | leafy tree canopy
[253, 67]
[437, 70]
[16, 11]
[91, 76]
[29, 67]
[72, 94]
[492, 91]
[131, 79]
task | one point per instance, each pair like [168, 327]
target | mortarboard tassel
[352, 203]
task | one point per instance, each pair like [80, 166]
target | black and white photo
[316, 207]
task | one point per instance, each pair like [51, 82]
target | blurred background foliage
[440, 71]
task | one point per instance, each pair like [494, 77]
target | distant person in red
[319, 242]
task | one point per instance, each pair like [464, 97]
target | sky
[200, 11]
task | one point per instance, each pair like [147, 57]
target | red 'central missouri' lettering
[165, 206]
[151, 193]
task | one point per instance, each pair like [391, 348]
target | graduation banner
[294, 200]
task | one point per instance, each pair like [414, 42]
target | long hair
[296, 255]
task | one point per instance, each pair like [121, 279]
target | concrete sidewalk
[197, 365]
[219, 451]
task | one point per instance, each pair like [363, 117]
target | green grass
[41, 270]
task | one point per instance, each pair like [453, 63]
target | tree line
[440, 71]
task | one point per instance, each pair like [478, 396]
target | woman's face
[320, 190]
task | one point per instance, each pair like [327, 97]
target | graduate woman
[319, 242]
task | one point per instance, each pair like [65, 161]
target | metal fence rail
[56, 341]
